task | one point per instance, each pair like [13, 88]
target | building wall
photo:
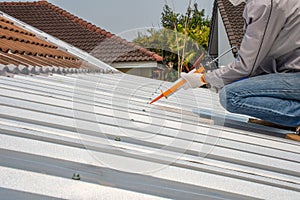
[144, 69]
[224, 44]
[144, 72]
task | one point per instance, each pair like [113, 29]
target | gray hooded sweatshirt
[271, 43]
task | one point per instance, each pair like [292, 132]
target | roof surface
[55, 21]
[21, 47]
[101, 127]
[232, 17]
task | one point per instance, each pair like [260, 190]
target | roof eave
[213, 37]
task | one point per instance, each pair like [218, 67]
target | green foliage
[182, 40]
[168, 18]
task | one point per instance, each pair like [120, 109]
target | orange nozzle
[157, 98]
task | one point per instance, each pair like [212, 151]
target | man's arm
[259, 36]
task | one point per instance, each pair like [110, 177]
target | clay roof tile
[16, 44]
[72, 29]
[233, 20]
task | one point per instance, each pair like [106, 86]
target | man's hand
[194, 80]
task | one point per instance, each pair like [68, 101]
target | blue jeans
[274, 98]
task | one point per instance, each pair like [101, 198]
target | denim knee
[226, 99]
[223, 97]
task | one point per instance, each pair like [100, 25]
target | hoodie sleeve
[254, 47]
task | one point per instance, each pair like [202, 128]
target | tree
[182, 40]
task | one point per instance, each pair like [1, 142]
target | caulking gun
[180, 82]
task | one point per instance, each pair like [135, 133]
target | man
[264, 81]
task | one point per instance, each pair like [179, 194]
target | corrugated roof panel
[101, 127]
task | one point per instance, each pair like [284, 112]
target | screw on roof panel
[118, 139]
[76, 176]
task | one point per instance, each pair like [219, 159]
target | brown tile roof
[21, 47]
[77, 32]
[233, 21]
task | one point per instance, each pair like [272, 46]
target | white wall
[224, 44]
[144, 72]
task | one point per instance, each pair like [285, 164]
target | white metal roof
[100, 126]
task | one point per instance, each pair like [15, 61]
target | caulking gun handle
[178, 84]
[200, 70]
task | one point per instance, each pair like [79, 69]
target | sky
[119, 16]
[125, 18]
